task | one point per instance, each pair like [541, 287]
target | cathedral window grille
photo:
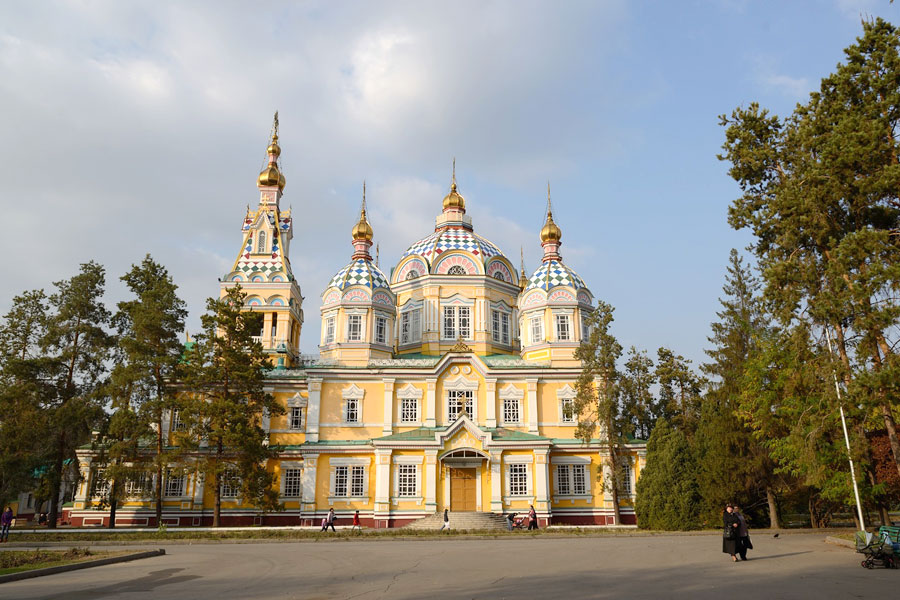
[293, 484]
[340, 480]
[329, 330]
[230, 484]
[101, 484]
[567, 406]
[357, 481]
[351, 410]
[579, 479]
[518, 480]
[409, 410]
[562, 328]
[261, 242]
[456, 399]
[499, 275]
[537, 330]
[456, 270]
[625, 477]
[410, 327]
[563, 483]
[354, 328]
[295, 419]
[380, 330]
[407, 480]
[511, 412]
[175, 485]
[500, 326]
[457, 322]
[571, 480]
[177, 423]
[139, 485]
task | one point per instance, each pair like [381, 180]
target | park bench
[890, 534]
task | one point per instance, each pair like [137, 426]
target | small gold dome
[274, 148]
[550, 232]
[362, 230]
[454, 199]
[271, 176]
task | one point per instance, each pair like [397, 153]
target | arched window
[412, 275]
[499, 275]
[261, 242]
[456, 270]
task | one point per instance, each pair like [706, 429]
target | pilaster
[430, 403]
[497, 481]
[431, 480]
[387, 429]
[532, 406]
[308, 481]
[382, 487]
[490, 397]
[542, 480]
[312, 410]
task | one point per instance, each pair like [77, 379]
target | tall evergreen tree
[668, 497]
[144, 378]
[820, 195]
[679, 390]
[77, 346]
[597, 402]
[225, 374]
[638, 402]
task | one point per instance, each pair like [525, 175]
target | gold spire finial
[523, 280]
[378, 255]
[550, 232]
[275, 127]
[549, 204]
[271, 173]
[453, 177]
[362, 230]
[454, 199]
[363, 209]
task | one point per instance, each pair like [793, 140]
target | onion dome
[552, 274]
[362, 230]
[359, 272]
[271, 174]
[550, 232]
[454, 199]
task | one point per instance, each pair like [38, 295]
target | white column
[497, 481]
[542, 480]
[431, 480]
[199, 484]
[478, 489]
[387, 429]
[312, 410]
[83, 495]
[382, 486]
[490, 397]
[430, 403]
[308, 480]
[532, 405]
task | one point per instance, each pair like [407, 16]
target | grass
[14, 561]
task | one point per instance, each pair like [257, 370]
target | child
[356, 524]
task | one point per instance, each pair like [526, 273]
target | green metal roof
[413, 435]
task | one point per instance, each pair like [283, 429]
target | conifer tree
[638, 402]
[144, 378]
[77, 347]
[597, 402]
[820, 196]
[225, 405]
[679, 390]
[668, 497]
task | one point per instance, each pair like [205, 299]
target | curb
[839, 542]
[77, 566]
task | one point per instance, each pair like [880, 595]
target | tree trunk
[774, 521]
[887, 414]
[56, 482]
[158, 492]
[113, 502]
[218, 506]
[813, 513]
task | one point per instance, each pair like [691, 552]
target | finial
[362, 209]
[522, 258]
[549, 205]
[275, 127]
[453, 179]
[362, 230]
[378, 255]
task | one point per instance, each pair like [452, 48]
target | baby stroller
[521, 522]
[876, 550]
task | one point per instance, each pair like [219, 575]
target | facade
[446, 383]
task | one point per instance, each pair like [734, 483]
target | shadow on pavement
[147, 583]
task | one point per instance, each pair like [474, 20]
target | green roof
[510, 435]
[418, 434]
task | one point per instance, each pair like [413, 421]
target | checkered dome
[553, 274]
[359, 272]
[434, 245]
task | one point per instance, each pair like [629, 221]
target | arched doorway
[462, 483]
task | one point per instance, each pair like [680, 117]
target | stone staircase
[470, 521]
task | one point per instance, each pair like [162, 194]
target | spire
[523, 279]
[454, 200]
[271, 174]
[362, 232]
[551, 234]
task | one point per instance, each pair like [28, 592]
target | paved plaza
[792, 566]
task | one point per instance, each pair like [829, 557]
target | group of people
[736, 535]
[328, 521]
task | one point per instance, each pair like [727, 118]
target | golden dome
[550, 232]
[271, 176]
[274, 148]
[454, 199]
[362, 230]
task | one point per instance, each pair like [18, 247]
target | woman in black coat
[730, 538]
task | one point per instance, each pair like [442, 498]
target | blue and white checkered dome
[552, 274]
[359, 272]
[431, 247]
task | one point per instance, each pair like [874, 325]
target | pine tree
[668, 497]
[820, 195]
[77, 348]
[679, 390]
[597, 402]
[638, 402]
[144, 378]
[224, 408]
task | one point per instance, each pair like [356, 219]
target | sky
[129, 128]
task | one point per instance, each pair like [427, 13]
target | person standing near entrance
[532, 518]
[446, 524]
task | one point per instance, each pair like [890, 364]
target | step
[484, 521]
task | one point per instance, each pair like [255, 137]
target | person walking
[730, 532]
[356, 524]
[446, 524]
[743, 534]
[532, 518]
[6, 520]
[329, 521]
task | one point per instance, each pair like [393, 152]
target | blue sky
[140, 127]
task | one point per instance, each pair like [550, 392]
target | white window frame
[99, 484]
[468, 401]
[409, 411]
[518, 487]
[571, 475]
[461, 384]
[359, 319]
[565, 395]
[511, 394]
[175, 483]
[410, 330]
[329, 329]
[356, 471]
[585, 330]
[536, 329]
[291, 480]
[139, 485]
[381, 327]
[500, 325]
[563, 326]
[456, 322]
[352, 401]
[628, 476]
[230, 486]
[404, 468]
[176, 424]
[409, 394]
[295, 418]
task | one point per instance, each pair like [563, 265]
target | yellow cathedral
[446, 383]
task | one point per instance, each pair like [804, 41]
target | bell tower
[263, 266]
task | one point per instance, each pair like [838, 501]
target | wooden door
[462, 490]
